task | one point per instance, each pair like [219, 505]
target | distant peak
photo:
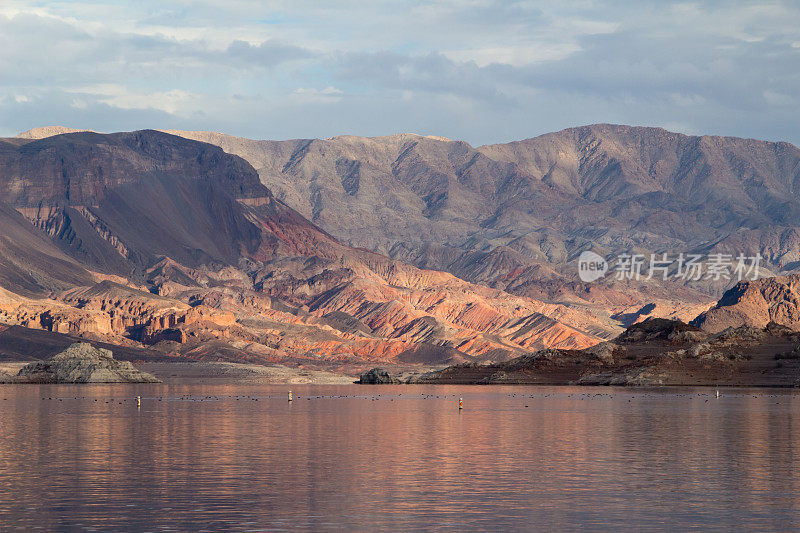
[393, 136]
[47, 131]
[198, 133]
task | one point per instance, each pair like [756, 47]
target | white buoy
[290, 396]
[717, 393]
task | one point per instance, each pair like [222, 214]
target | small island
[82, 363]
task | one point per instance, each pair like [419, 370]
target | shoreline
[228, 373]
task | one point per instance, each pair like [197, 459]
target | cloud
[84, 112]
[265, 54]
[122, 97]
[433, 73]
[479, 70]
[308, 95]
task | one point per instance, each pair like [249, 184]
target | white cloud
[122, 97]
[778, 99]
[514, 55]
[327, 95]
[684, 100]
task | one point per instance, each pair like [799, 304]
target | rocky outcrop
[377, 376]
[755, 303]
[82, 363]
[659, 329]
[542, 367]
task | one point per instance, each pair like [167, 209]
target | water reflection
[243, 458]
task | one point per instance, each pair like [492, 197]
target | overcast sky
[479, 70]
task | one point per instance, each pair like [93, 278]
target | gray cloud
[429, 73]
[266, 54]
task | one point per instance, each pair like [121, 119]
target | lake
[242, 458]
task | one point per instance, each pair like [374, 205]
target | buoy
[460, 404]
[138, 401]
[717, 393]
[290, 396]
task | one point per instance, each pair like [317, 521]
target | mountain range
[403, 248]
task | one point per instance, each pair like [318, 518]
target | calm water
[514, 458]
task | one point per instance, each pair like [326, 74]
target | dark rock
[377, 376]
[656, 329]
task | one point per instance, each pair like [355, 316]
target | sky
[483, 71]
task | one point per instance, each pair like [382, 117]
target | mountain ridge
[41, 132]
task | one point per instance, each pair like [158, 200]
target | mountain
[47, 131]
[150, 239]
[515, 216]
[116, 202]
[756, 304]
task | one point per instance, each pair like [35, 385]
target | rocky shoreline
[656, 352]
[653, 353]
